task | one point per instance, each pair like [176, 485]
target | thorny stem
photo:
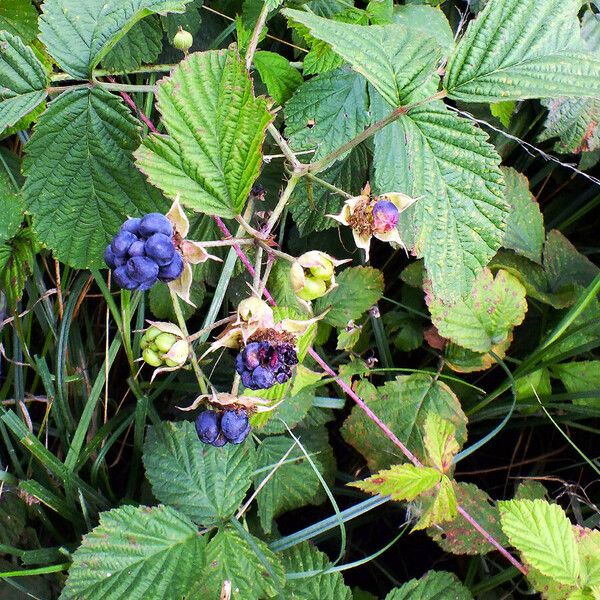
[289, 188]
[328, 185]
[106, 73]
[278, 253]
[181, 322]
[201, 332]
[257, 268]
[285, 148]
[262, 18]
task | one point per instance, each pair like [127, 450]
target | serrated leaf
[327, 111]
[503, 111]
[580, 376]
[542, 533]
[11, 208]
[440, 442]
[442, 508]
[486, 316]
[392, 58]
[358, 289]
[403, 405]
[88, 183]
[229, 556]
[428, 21]
[80, 34]
[434, 585]
[458, 223]
[142, 44]
[401, 482]
[305, 558]
[216, 128]
[311, 202]
[294, 483]
[136, 553]
[525, 225]
[533, 385]
[275, 71]
[17, 257]
[205, 483]
[518, 49]
[458, 536]
[588, 546]
[463, 360]
[19, 17]
[23, 80]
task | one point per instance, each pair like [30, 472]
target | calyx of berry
[164, 346]
[313, 274]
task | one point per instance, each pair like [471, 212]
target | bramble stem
[105, 72]
[262, 18]
[181, 322]
[289, 188]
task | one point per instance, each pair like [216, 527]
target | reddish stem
[357, 399]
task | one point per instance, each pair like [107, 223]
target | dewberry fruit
[234, 423]
[155, 223]
[159, 247]
[208, 426]
[242, 436]
[142, 269]
[122, 279]
[183, 40]
[385, 216]
[137, 248]
[121, 243]
[263, 364]
[132, 225]
[173, 270]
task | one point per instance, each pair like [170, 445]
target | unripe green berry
[152, 333]
[324, 271]
[164, 341]
[183, 40]
[151, 358]
[313, 288]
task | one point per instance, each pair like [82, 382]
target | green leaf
[440, 442]
[401, 482]
[380, 12]
[458, 536]
[19, 17]
[463, 360]
[142, 44]
[518, 49]
[580, 376]
[80, 34]
[275, 71]
[294, 483]
[11, 208]
[327, 111]
[161, 303]
[525, 225]
[392, 58]
[136, 553]
[434, 585]
[442, 508]
[503, 111]
[305, 558]
[402, 405]
[205, 483]
[486, 316]
[88, 183]
[588, 546]
[358, 289]
[13, 518]
[216, 128]
[23, 80]
[190, 20]
[428, 21]
[311, 201]
[543, 535]
[229, 556]
[17, 257]
[458, 222]
[527, 386]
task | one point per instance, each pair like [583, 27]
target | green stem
[328, 185]
[181, 322]
[285, 197]
[125, 87]
[262, 18]
[284, 147]
[164, 68]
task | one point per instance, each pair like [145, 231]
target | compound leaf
[432, 586]
[392, 58]
[216, 128]
[23, 80]
[87, 185]
[486, 316]
[518, 49]
[17, 257]
[542, 533]
[19, 17]
[80, 34]
[205, 483]
[136, 553]
[275, 71]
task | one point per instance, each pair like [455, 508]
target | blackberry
[263, 364]
[217, 429]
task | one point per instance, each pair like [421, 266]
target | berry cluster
[218, 428]
[143, 252]
[263, 364]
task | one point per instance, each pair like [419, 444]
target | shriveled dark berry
[234, 423]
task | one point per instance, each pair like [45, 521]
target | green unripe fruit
[151, 358]
[164, 341]
[183, 40]
[151, 334]
[324, 271]
[171, 363]
[313, 288]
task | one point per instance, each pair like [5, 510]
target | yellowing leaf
[443, 508]
[440, 441]
[401, 482]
